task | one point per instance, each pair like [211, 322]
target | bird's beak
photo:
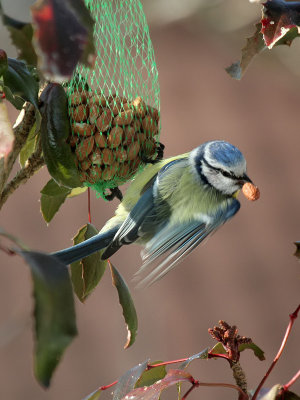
[245, 178]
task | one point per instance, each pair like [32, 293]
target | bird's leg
[114, 192]
[160, 154]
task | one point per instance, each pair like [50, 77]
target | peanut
[109, 171]
[149, 126]
[133, 150]
[85, 164]
[250, 191]
[82, 129]
[97, 99]
[95, 174]
[107, 156]
[80, 113]
[124, 118]
[96, 157]
[115, 136]
[105, 119]
[121, 155]
[78, 98]
[95, 112]
[84, 148]
[100, 139]
[129, 134]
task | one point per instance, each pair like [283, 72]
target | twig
[292, 381]
[33, 164]
[21, 132]
[293, 316]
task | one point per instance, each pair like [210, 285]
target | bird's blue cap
[225, 153]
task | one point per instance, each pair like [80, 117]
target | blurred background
[246, 274]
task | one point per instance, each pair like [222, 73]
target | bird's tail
[84, 249]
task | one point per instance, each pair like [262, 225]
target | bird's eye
[226, 174]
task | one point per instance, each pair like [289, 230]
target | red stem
[293, 316]
[195, 384]
[89, 205]
[108, 386]
[166, 363]
[292, 381]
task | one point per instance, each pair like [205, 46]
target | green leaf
[21, 34]
[297, 252]
[127, 305]
[127, 381]
[258, 352]
[77, 191]
[29, 146]
[93, 396]
[20, 84]
[55, 129]
[269, 394]
[218, 349]
[55, 324]
[53, 196]
[151, 375]
[86, 274]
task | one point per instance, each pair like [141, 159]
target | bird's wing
[174, 242]
[143, 218]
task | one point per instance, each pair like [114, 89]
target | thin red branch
[190, 390]
[292, 381]
[149, 366]
[108, 386]
[292, 316]
[89, 205]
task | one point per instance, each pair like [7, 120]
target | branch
[21, 132]
[33, 164]
[293, 316]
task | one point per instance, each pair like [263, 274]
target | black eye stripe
[224, 173]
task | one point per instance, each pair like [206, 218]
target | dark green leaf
[55, 325]
[252, 346]
[151, 375]
[53, 196]
[290, 396]
[86, 274]
[55, 129]
[19, 84]
[127, 381]
[202, 355]
[126, 302]
[93, 396]
[3, 62]
[21, 34]
[297, 252]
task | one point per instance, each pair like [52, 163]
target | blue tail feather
[86, 248]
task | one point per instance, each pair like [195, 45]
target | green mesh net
[114, 108]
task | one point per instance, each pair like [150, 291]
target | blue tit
[170, 208]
